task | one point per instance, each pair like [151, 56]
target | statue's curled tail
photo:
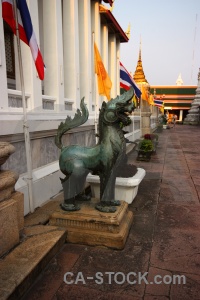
[80, 118]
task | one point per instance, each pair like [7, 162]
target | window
[9, 49]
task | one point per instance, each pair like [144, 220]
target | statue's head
[117, 110]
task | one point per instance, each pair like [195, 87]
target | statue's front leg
[107, 202]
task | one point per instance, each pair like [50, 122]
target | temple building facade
[177, 98]
[65, 32]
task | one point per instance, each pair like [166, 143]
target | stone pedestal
[7, 183]
[18, 197]
[146, 122]
[9, 232]
[11, 204]
[91, 227]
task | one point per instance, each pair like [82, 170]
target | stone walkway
[164, 240]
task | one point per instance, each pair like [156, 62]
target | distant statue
[102, 159]
[162, 119]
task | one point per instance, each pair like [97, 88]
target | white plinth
[125, 188]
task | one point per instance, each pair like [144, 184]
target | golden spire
[139, 76]
[179, 80]
[112, 7]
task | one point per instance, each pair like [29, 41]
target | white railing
[134, 129]
[153, 122]
[15, 99]
[48, 102]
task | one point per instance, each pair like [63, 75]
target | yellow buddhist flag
[135, 101]
[104, 82]
[162, 109]
[144, 94]
[151, 100]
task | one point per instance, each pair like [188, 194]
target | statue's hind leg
[69, 194]
[73, 191]
[73, 184]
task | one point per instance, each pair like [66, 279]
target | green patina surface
[103, 159]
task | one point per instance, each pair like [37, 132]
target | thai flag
[126, 81]
[26, 32]
[158, 103]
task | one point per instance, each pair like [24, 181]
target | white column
[104, 47]
[32, 83]
[117, 67]
[96, 23]
[85, 49]
[3, 76]
[71, 51]
[96, 30]
[181, 115]
[113, 64]
[104, 39]
[53, 49]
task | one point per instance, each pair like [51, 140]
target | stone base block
[9, 232]
[91, 227]
[19, 198]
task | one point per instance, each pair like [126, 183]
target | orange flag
[104, 82]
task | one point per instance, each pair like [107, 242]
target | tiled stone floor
[164, 239]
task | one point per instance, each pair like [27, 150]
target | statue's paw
[69, 207]
[114, 203]
[105, 208]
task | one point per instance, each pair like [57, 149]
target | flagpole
[154, 97]
[95, 111]
[25, 123]
[141, 110]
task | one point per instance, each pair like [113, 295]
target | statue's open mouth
[124, 110]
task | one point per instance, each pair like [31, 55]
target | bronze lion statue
[103, 159]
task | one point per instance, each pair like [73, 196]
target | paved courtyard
[164, 240]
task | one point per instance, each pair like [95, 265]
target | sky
[169, 31]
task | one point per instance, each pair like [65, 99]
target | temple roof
[139, 76]
[113, 26]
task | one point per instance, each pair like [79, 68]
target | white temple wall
[65, 31]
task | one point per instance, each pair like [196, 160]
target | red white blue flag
[126, 81]
[26, 32]
[158, 103]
